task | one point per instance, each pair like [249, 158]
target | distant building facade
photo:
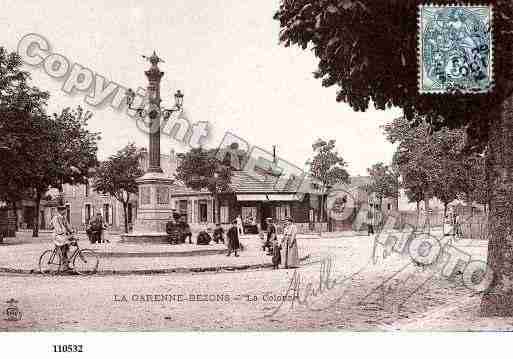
[253, 199]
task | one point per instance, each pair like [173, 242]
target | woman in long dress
[290, 253]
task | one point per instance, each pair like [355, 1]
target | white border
[206, 345]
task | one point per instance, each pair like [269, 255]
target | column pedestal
[154, 211]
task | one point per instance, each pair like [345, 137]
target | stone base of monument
[155, 210]
[153, 238]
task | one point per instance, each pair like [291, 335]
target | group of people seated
[207, 236]
[283, 251]
[178, 231]
[95, 230]
[217, 236]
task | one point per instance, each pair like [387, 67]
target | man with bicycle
[61, 234]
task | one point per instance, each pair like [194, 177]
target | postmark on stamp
[455, 48]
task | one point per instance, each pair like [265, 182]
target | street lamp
[152, 111]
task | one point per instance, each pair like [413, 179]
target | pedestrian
[240, 226]
[276, 253]
[233, 239]
[219, 234]
[61, 234]
[289, 244]
[173, 229]
[457, 226]
[104, 234]
[97, 228]
[89, 232]
[185, 229]
[370, 226]
[271, 236]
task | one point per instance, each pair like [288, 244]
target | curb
[203, 252]
[158, 271]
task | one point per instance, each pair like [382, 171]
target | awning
[284, 197]
[251, 197]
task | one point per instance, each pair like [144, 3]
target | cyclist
[61, 235]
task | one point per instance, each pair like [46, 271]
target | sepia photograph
[285, 166]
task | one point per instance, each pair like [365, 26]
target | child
[276, 253]
[219, 234]
[204, 237]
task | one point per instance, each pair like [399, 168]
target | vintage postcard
[277, 165]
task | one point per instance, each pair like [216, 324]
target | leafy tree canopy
[200, 169]
[368, 49]
[384, 182]
[116, 175]
[327, 166]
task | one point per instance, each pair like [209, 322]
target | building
[253, 199]
[361, 199]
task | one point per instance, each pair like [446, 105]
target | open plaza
[171, 287]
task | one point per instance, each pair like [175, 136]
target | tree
[383, 182]
[65, 154]
[327, 167]
[200, 169]
[116, 176]
[476, 180]
[448, 178]
[414, 160]
[38, 151]
[353, 41]
[20, 106]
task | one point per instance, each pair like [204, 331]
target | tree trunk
[12, 204]
[215, 207]
[35, 230]
[426, 209]
[498, 299]
[125, 215]
[418, 215]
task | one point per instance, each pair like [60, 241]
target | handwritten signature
[314, 294]
[304, 292]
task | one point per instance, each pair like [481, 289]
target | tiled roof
[242, 182]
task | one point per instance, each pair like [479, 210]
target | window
[203, 211]
[282, 212]
[224, 214]
[87, 213]
[249, 214]
[182, 206]
[106, 214]
[389, 206]
[87, 189]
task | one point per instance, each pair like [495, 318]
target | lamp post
[154, 187]
[154, 111]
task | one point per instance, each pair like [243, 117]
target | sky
[223, 55]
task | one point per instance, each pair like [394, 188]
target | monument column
[154, 76]
[155, 204]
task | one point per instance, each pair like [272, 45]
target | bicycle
[83, 261]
